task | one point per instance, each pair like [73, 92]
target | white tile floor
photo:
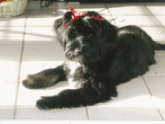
[27, 45]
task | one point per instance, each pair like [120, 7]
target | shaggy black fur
[98, 61]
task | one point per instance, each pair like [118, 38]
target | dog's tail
[158, 46]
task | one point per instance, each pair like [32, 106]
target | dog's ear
[58, 23]
[60, 29]
[109, 32]
[62, 21]
[108, 37]
[91, 13]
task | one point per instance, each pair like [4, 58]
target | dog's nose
[77, 51]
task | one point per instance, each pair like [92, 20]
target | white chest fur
[71, 67]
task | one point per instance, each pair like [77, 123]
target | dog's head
[85, 39]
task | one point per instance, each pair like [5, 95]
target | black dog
[100, 55]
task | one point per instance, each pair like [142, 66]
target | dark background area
[117, 1]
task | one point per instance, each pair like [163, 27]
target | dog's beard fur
[84, 57]
[105, 57]
[82, 49]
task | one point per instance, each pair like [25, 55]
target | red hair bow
[76, 15]
[98, 17]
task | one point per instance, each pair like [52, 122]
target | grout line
[148, 89]
[102, 10]
[87, 114]
[111, 15]
[153, 75]
[154, 16]
[21, 57]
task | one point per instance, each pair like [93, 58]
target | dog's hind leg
[151, 59]
[45, 78]
[78, 97]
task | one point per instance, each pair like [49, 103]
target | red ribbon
[76, 15]
[98, 17]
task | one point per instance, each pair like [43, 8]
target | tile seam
[87, 113]
[154, 16]
[149, 91]
[111, 16]
[20, 63]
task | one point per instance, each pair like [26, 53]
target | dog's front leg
[45, 78]
[77, 97]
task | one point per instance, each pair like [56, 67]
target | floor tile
[133, 103]
[127, 9]
[10, 53]
[42, 22]
[88, 6]
[156, 86]
[35, 4]
[9, 67]
[58, 114]
[156, 8]
[43, 52]
[44, 13]
[11, 31]
[26, 108]
[40, 32]
[55, 9]
[45, 17]
[11, 40]
[105, 14]
[13, 22]
[40, 40]
[158, 68]
[142, 21]
[157, 33]
[58, 6]
[8, 85]
[161, 19]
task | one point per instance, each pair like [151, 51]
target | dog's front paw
[34, 82]
[48, 103]
[28, 83]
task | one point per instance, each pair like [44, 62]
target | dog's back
[135, 52]
[138, 32]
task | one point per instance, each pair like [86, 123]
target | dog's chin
[77, 59]
[83, 58]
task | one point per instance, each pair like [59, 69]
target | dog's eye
[90, 35]
[74, 32]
